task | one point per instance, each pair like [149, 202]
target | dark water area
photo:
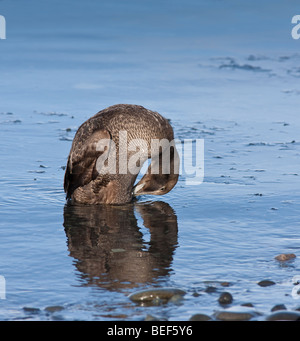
[217, 77]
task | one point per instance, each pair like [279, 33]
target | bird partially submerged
[109, 150]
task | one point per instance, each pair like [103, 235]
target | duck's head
[162, 183]
[155, 184]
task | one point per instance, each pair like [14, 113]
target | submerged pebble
[225, 284]
[285, 257]
[151, 318]
[157, 296]
[210, 289]
[266, 283]
[278, 307]
[54, 308]
[31, 310]
[200, 317]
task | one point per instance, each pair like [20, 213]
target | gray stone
[225, 298]
[31, 310]
[236, 314]
[233, 316]
[285, 257]
[266, 283]
[156, 296]
[210, 289]
[151, 318]
[200, 317]
[54, 308]
[278, 307]
[284, 315]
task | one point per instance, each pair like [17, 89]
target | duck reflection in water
[109, 247]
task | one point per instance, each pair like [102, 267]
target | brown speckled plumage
[84, 184]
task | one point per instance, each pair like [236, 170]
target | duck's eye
[163, 188]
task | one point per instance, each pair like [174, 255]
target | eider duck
[97, 169]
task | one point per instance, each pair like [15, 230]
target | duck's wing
[81, 166]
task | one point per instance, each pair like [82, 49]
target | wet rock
[176, 299]
[278, 307]
[157, 296]
[232, 316]
[196, 294]
[296, 280]
[284, 315]
[285, 257]
[225, 298]
[266, 283]
[210, 289]
[247, 304]
[236, 314]
[200, 317]
[151, 318]
[31, 310]
[54, 308]
[225, 284]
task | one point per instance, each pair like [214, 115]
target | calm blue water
[221, 71]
